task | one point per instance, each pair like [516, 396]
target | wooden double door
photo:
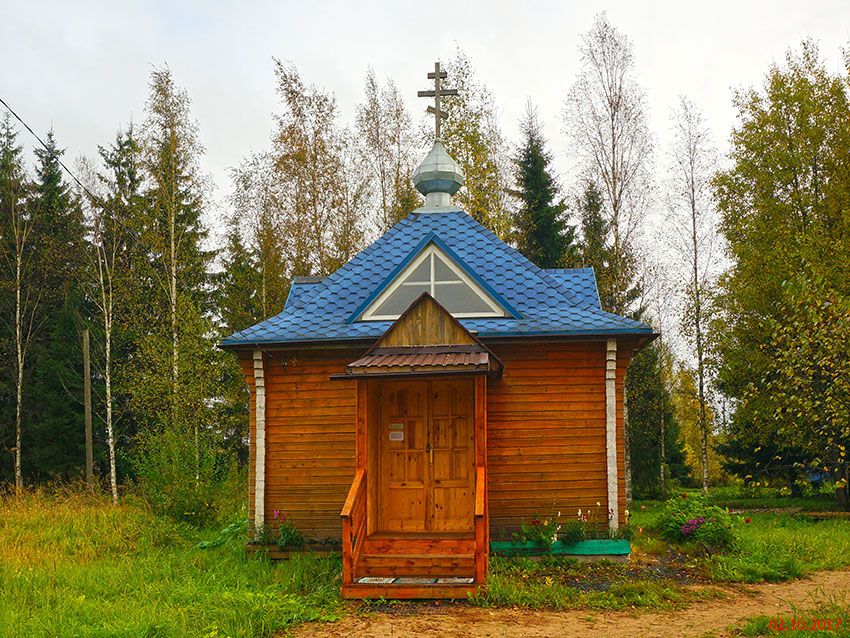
[427, 455]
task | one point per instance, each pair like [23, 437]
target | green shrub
[689, 519]
[541, 532]
[572, 532]
[185, 478]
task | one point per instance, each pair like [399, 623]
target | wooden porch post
[260, 443]
[482, 510]
[611, 432]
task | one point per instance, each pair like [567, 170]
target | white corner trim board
[260, 442]
[611, 431]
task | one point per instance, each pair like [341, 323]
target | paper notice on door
[396, 436]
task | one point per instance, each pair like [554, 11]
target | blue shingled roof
[544, 302]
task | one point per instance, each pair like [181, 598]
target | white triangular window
[434, 272]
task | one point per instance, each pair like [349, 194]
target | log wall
[546, 434]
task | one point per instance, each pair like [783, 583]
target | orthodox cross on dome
[439, 115]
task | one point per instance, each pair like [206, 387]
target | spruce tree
[55, 434]
[542, 232]
[177, 371]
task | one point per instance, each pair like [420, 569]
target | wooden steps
[414, 566]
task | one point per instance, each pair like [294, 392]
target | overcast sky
[82, 67]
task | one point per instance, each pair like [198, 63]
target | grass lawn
[73, 565]
[76, 566]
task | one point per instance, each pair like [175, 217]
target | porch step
[412, 556]
[410, 588]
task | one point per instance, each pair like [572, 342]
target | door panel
[403, 441]
[427, 456]
[452, 439]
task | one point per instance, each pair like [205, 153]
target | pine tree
[541, 229]
[257, 251]
[650, 401]
[239, 284]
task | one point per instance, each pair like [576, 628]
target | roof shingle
[548, 302]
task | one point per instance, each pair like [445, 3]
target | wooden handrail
[480, 490]
[482, 524]
[351, 499]
[353, 517]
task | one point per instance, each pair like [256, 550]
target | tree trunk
[110, 435]
[698, 335]
[662, 477]
[87, 407]
[841, 493]
[19, 381]
[627, 454]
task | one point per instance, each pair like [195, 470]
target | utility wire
[53, 153]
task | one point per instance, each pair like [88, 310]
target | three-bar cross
[437, 75]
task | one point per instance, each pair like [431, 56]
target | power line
[47, 148]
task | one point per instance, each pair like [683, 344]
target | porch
[411, 565]
[415, 522]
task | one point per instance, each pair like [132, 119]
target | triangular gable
[426, 338]
[434, 269]
[425, 323]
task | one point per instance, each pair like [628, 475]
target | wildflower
[579, 513]
[535, 521]
[640, 530]
[690, 528]
[559, 514]
[598, 504]
[276, 515]
[684, 495]
[748, 520]
[627, 513]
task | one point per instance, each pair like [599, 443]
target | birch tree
[693, 223]
[605, 118]
[473, 138]
[115, 201]
[388, 146]
[18, 253]
[258, 229]
[316, 180]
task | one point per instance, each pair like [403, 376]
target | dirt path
[707, 618]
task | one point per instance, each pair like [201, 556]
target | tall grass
[775, 548]
[74, 565]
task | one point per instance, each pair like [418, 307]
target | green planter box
[600, 547]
